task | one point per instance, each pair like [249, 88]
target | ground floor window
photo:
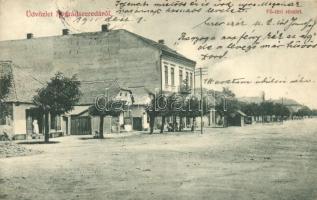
[56, 122]
[3, 118]
[5, 114]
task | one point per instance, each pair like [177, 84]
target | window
[191, 80]
[55, 122]
[187, 79]
[166, 75]
[3, 117]
[172, 76]
[180, 77]
[187, 121]
[3, 120]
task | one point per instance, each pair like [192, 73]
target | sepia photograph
[158, 99]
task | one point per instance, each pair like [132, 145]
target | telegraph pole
[201, 73]
[201, 101]
[282, 109]
[225, 112]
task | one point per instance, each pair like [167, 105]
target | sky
[282, 64]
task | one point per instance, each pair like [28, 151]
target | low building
[237, 118]
[23, 118]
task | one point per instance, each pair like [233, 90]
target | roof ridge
[52, 36]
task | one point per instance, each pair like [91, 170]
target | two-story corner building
[176, 74]
[134, 61]
[119, 54]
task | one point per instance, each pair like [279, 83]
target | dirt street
[254, 162]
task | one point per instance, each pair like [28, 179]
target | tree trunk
[225, 122]
[163, 124]
[101, 126]
[193, 125]
[47, 128]
[152, 119]
[180, 123]
[174, 123]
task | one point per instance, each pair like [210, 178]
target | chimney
[161, 41]
[104, 28]
[65, 31]
[29, 35]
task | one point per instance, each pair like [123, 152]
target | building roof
[24, 93]
[164, 48]
[241, 113]
[25, 85]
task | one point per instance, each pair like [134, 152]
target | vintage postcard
[158, 99]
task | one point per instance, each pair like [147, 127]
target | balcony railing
[184, 89]
[180, 89]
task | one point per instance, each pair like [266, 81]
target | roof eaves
[160, 47]
[179, 56]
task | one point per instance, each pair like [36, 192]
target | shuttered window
[166, 74]
[172, 76]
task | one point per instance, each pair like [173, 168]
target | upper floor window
[187, 78]
[172, 76]
[191, 80]
[180, 77]
[166, 74]
[3, 120]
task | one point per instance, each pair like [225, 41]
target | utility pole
[214, 112]
[201, 101]
[225, 112]
[201, 73]
[282, 109]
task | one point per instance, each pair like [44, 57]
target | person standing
[35, 127]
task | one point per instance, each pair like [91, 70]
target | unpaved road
[254, 162]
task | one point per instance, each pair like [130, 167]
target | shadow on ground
[39, 142]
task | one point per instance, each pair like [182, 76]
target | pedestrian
[35, 127]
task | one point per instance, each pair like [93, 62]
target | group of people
[169, 126]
